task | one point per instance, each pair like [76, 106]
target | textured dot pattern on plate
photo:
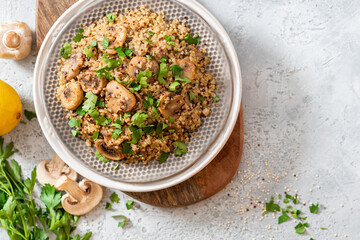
[211, 125]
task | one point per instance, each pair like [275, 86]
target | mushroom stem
[71, 187]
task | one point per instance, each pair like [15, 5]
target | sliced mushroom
[170, 104]
[139, 101]
[188, 68]
[116, 35]
[71, 95]
[90, 82]
[15, 40]
[108, 152]
[50, 171]
[138, 64]
[107, 137]
[119, 99]
[80, 198]
[71, 67]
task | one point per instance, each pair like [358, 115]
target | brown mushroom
[90, 82]
[158, 53]
[15, 40]
[139, 102]
[170, 104]
[119, 98]
[188, 68]
[80, 198]
[107, 137]
[50, 171]
[71, 67]
[116, 35]
[138, 64]
[108, 152]
[71, 95]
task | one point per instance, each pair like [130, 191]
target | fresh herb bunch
[19, 215]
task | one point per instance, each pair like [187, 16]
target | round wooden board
[204, 184]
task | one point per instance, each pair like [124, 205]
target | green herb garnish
[192, 40]
[114, 197]
[163, 157]
[163, 73]
[181, 148]
[171, 119]
[74, 123]
[160, 127]
[74, 132]
[129, 204]
[191, 96]
[108, 206]
[102, 158]
[122, 222]
[151, 33]
[176, 70]
[78, 36]
[139, 118]
[149, 129]
[202, 99]
[300, 228]
[65, 51]
[216, 99]
[128, 52]
[110, 17]
[283, 218]
[88, 52]
[169, 40]
[29, 114]
[184, 80]
[314, 208]
[126, 148]
[95, 135]
[116, 133]
[105, 42]
[173, 86]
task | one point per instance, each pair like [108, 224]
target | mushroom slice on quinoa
[108, 152]
[115, 35]
[72, 66]
[138, 64]
[170, 104]
[71, 95]
[91, 83]
[188, 68]
[158, 53]
[119, 99]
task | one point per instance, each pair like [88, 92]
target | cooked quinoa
[135, 86]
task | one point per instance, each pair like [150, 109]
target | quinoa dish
[135, 86]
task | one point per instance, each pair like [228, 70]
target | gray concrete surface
[301, 96]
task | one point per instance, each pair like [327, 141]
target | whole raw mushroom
[80, 198]
[50, 171]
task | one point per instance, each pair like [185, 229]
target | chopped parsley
[136, 134]
[100, 103]
[271, 206]
[80, 111]
[300, 228]
[116, 133]
[127, 115]
[128, 52]
[108, 206]
[163, 157]
[114, 197]
[126, 148]
[163, 73]
[139, 118]
[116, 166]
[88, 52]
[78, 36]
[184, 80]
[176, 70]
[148, 57]
[154, 109]
[122, 222]
[105, 42]
[149, 129]
[283, 218]
[74, 123]
[29, 114]
[191, 96]
[90, 102]
[151, 33]
[110, 17]
[100, 157]
[314, 208]
[95, 135]
[173, 86]
[171, 119]
[149, 42]
[216, 99]
[65, 51]
[142, 77]
[74, 132]
[181, 148]
[129, 204]
[93, 43]
[202, 99]
[192, 40]
[169, 40]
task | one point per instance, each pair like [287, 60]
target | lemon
[10, 108]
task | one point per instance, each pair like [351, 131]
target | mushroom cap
[72, 66]
[80, 198]
[170, 107]
[15, 40]
[108, 152]
[116, 35]
[119, 99]
[138, 64]
[90, 82]
[71, 95]
[50, 171]
[188, 68]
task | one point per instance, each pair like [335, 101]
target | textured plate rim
[182, 176]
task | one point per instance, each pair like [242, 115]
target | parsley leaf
[121, 223]
[163, 157]
[176, 70]
[90, 102]
[78, 36]
[50, 197]
[93, 43]
[114, 197]
[143, 76]
[108, 206]
[139, 118]
[151, 33]
[128, 52]
[216, 99]
[192, 40]
[173, 86]
[181, 148]
[149, 129]
[126, 148]
[136, 134]
[74, 132]
[169, 40]
[116, 133]
[105, 42]
[65, 51]
[191, 96]
[102, 158]
[202, 99]
[171, 119]
[160, 127]
[100, 103]
[120, 52]
[129, 204]
[95, 135]
[163, 73]
[29, 114]
[184, 80]
[88, 52]
[271, 206]
[110, 17]
[74, 123]
[283, 218]
[314, 208]
[300, 228]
